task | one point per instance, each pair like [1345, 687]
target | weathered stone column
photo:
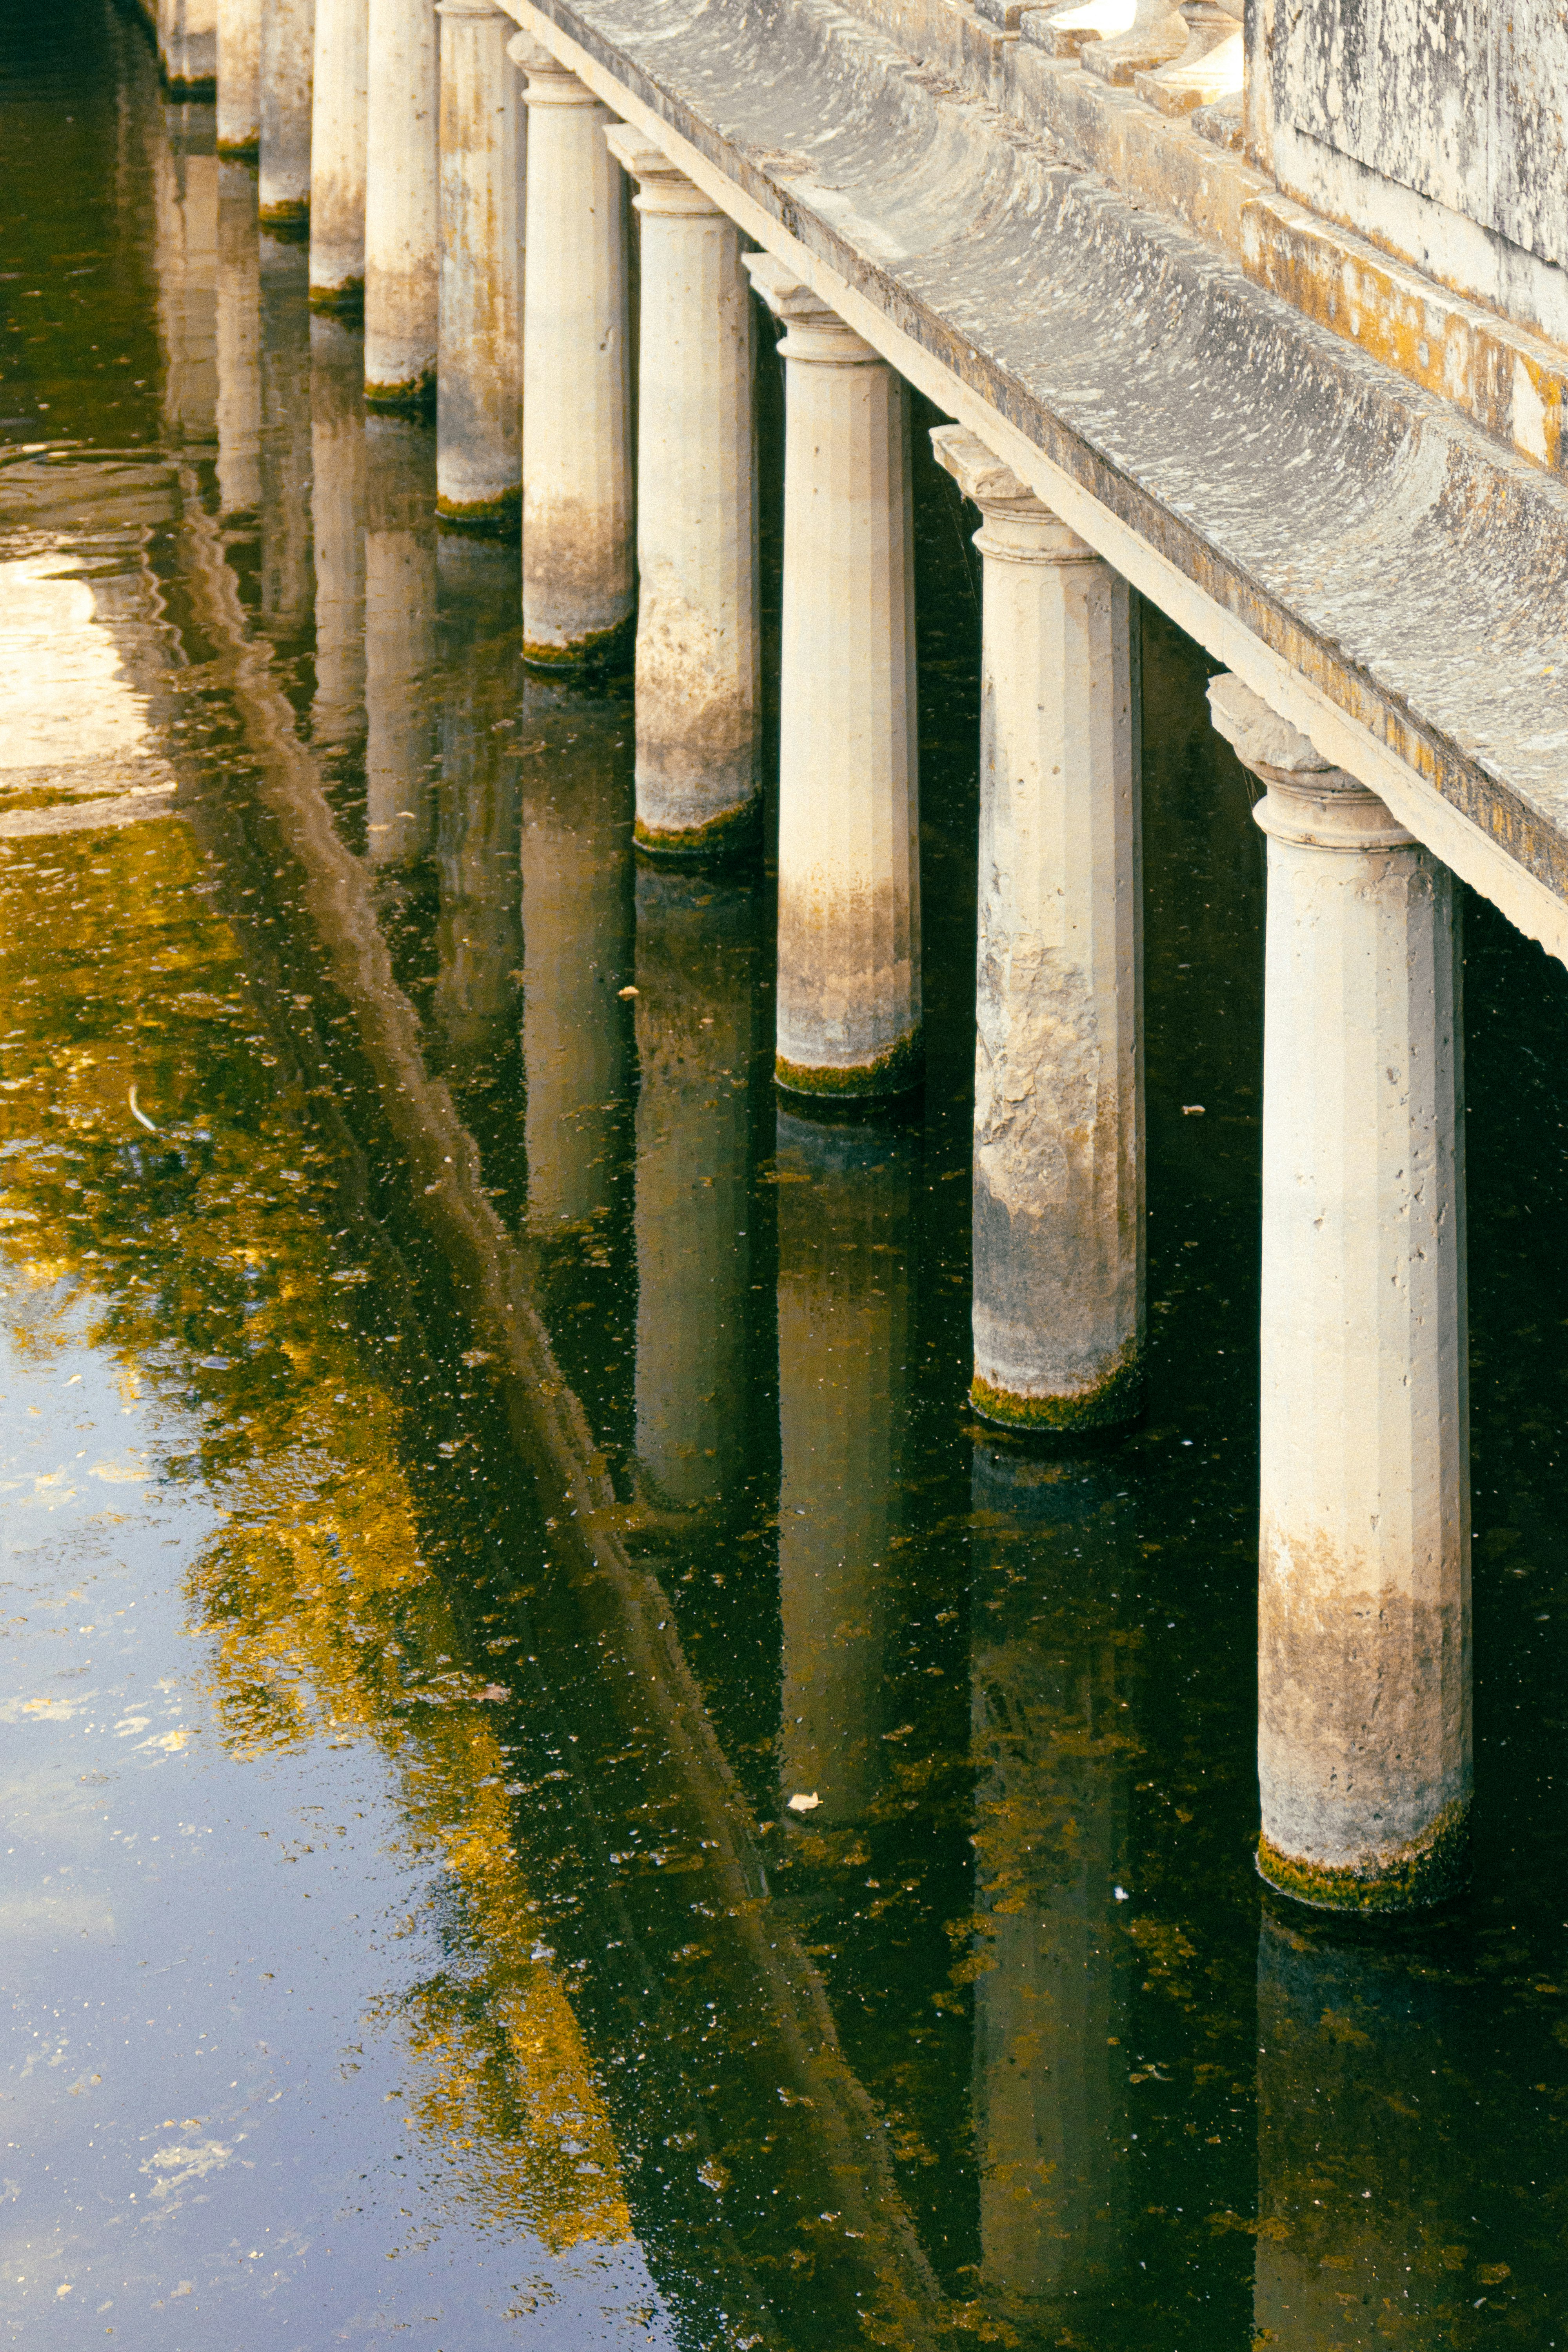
[1363, 1604]
[697, 682]
[399, 642]
[238, 341]
[1058, 1060]
[579, 585]
[238, 76]
[850, 926]
[337, 536]
[188, 46]
[401, 206]
[338, 108]
[479, 371]
[287, 58]
[696, 981]
[846, 1216]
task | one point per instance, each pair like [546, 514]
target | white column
[845, 1204]
[337, 534]
[1058, 1064]
[1363, 1602]
[238, 76]
[401, 206]
[190, 52]
[579, 585]
[698, 767]
[338, 108]
[399, 642]
[479, 371]
[238, 341]
[287, 56]
[850, 931]
[696, 981]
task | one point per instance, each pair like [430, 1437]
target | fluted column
[401, 709]
[1058, 1064]
[850, 931]
[696, 959]
[338, 109]
[1363, 1602]
[478, 377]
[337, 534]
[579, 584]
[698, 767]
[238, 76]
[287, 58]
[401, 297]
[846, 1212]
[238, 341]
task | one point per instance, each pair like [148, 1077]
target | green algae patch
[344, 301]
[484, 518]
[1115, 1403]
[733, 833]
[602, 649]
[1425, 1871]
[288, 224]
[898, 1071]
[415, 398]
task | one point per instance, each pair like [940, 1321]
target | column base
[1113, 1405]
[499, 518]
[732, 834]
[289, 222]
[200, 91]
[239, 150]
[1425, 1871]
[608, 648]
[897, 1072]
[415, 396]
[344, 301]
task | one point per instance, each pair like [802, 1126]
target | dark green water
[518, 1458]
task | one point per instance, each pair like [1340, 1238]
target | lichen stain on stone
[1037, 1075]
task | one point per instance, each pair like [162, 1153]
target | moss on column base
[239, 150]
[417, 397]
[1114, 1403]
[604, 649]
[1430, 1869]
[735, 833]
[344, 301]
[897, 1072]
[201, 91]
[287, 224]
[484, 518]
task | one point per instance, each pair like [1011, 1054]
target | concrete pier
[1058, 1069]
[579, 583]
[399, 646]
[288, 60]
[849, 936]
[699, 772]
[401, 289]
[238, 337]
[337, 536]
[696, 1009]
[338, 112]
[1365, 1599]
[846, 1272]
[479, 461]
[238, 76]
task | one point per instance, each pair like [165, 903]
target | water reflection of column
[399, 638]
[185, 200]
[287, 585]
[337, 532]
[845, 1283]
[696, 976]
[288, 47]
[1362, 2189]
[238, 337]
[476, 843]
[576, 929]
[1053, 1746]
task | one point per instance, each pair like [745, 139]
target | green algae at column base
[602, 649]
[413, 397]
[483, 518]
[732, 834]
[286, 223]
[1113, 1405]
[1426, 1871]
[344, 301]
[897, 1072]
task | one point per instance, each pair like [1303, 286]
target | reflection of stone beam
[752, 1944]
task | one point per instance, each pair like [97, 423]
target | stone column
[846, 1216]
[849, 928]
[399, 642]
[238, 76]
[478, 373]
[579, 585]
[337, 534]
[401, 206]
[238, 341]
[287, 56]
[696, 980]
[1059, 1063]
[337, 155]
[698, 684]
[189, 50]
[1363, 1604]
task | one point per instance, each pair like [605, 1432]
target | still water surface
[518, 1457]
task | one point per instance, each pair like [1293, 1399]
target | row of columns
[1364, 1657]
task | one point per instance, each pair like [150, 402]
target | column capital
[478, 9]
[528, 55]
[814, 329]
[550, 83]
[662, 186]
[1019, 526]
[1309, 801]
